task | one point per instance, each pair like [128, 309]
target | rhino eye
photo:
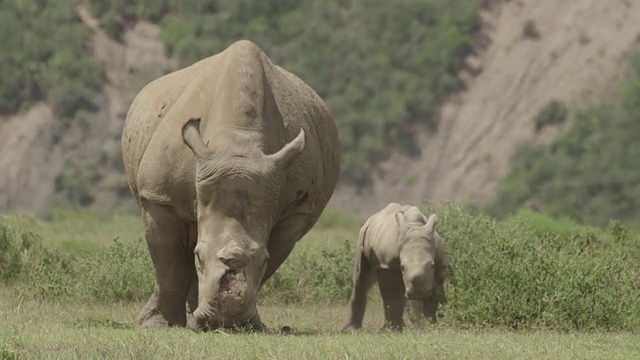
[402, 268]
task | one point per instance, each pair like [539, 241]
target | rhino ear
[193, 139]
[283, 158]
[400, 218]
[431, 223]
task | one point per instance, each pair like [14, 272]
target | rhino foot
[350, 328]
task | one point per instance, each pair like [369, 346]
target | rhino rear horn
[193, 139]
[283, 158]
[431, 223]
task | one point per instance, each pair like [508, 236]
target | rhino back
[146, 114]
[380, 241]
[241, 98]
[317, 167]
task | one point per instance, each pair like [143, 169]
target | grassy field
[69, 331]
[83, 326]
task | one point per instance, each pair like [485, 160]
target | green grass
[78, 231]
[69, 330]
[527, 287]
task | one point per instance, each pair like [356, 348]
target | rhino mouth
[230, 308]
[233, 287]
[252, 325]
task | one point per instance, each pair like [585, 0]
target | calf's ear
[401, 218]
[431, 223]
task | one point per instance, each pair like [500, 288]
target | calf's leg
[363, 279]
[392, 291]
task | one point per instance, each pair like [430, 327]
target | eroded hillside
[38, 158]
[530, 52]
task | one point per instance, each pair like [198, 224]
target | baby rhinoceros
[400, 248]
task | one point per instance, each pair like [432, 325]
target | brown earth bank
[528, 53]
[571, 51]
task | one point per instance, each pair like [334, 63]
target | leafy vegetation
[553, 113]
[590, 172]
[7, 353]
[45, 56]
[528, 271]
[383, 70]
[532, 271]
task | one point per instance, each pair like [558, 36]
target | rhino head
[418, 253]
[238, 192]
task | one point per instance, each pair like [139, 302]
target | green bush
[530, 30]
[37, 271]
[530, 271]
[121, 272]
[554, 113]
[7, 353]
[45, 57]
[312, 274]
[10, 254]
[589, 173]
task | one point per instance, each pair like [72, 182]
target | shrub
[38, 271]
[528, 271]
[531, 271]
[312, 274]
[10, 257]
[553, 113]
[530, 30]
[7, 353]
[121, 272]
[45, 57]
[589, 173]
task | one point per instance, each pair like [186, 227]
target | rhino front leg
[192, 301]
[173, 263]
[392, 291]
[363, 279]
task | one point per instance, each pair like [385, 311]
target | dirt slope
[27, 164]
[577, 58]
[30, 161]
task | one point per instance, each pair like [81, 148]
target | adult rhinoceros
[231, 161]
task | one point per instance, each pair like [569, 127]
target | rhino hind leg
[166, 239]
[392, 291]
[363, 280]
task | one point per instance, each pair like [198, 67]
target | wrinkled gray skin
[231, 161]
[400, 248]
